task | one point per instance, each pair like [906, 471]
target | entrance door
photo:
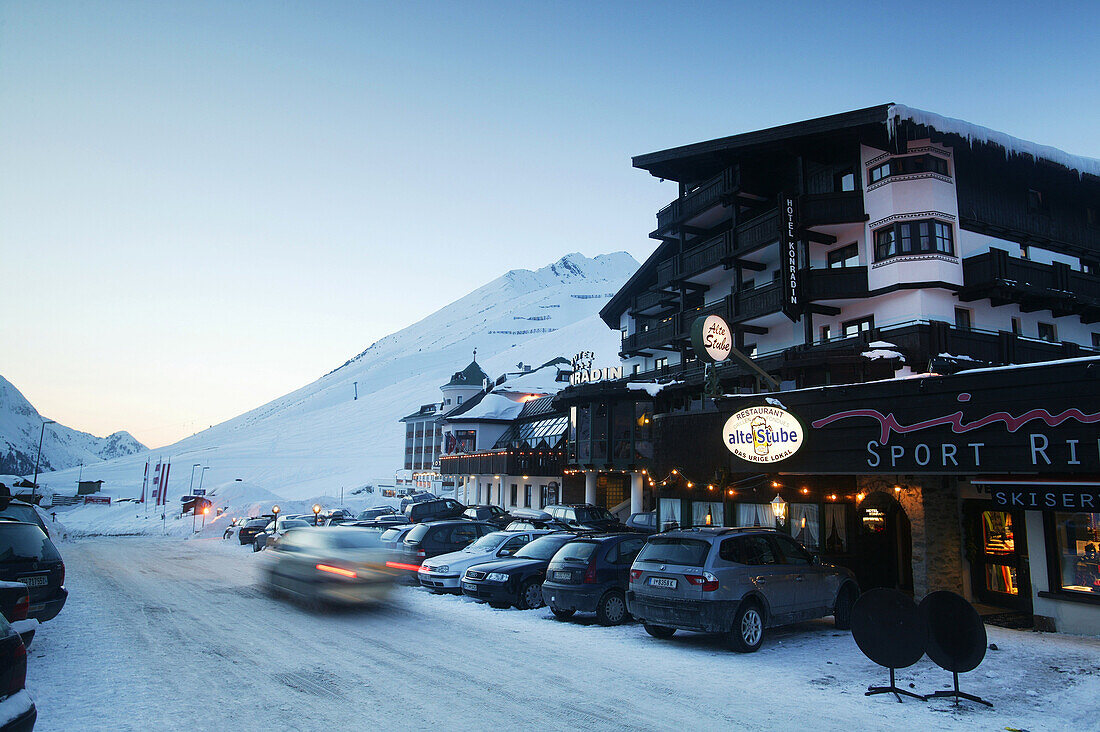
[885, 544]
[999, 573]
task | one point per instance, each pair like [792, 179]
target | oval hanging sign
[763, 434]
[711, 338]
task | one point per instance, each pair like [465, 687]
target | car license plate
[36, 581]
[469, 586]
[563, 575]
[662, 582]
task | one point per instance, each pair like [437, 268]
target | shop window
[962, 318]
[913, 237]
[1077, 555]
[755, 514]
[805, 524]
[836, 529]
[1047, 332]
[847, 256]
[998, 541]
[707, 513]
[856, 327]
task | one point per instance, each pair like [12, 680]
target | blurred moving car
[375, 512]
[734, 581]
[345, 566]
[27, 555]
[590, 575]
[493, 514]
[516, 581]
[246, 533]
[443, 573]
[440, 508]
[17, 711]
[275, 530]
[427, 540]
[643, 522]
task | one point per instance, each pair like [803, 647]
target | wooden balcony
[757, 232]
[705, 195]
[713, 252]
[651, 299]
[825, 209]
[1034, 286]
[838, 283]
[757, 302]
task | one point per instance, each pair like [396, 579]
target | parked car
[17, 711]
[234, 527]
[493, 514]
[734, 581]
[27, 555]
[529, 519]
[375, 512]
[427, 540]
[247, 533]
[391, 538]
[516, 581]
[337, 520]
[15, 603]
[344, 566]
[440, 508]
[444, 572]
[643, 522]
[25, 512]
[387, 520]
[590, 575]
[586, 516]
[275, 530]
[415, 498]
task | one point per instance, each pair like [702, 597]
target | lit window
[855, 327]
[1077, 553]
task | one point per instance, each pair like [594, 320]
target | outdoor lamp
[779, 508]
[316, 512]
[275, 510]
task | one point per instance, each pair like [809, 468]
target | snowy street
[168, 634]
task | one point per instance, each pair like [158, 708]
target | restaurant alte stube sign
[1036, 420]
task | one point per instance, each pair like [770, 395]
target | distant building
[87, 487]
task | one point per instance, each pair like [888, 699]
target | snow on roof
[649, 387]
[493, 406]
[539, 381]
[976, 133]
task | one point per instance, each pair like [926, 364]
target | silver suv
[734, 581]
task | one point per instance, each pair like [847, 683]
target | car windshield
[543, 548]
[257, 523]
[673, 550]
[576, 551]
[594, 514]
[24, 542]
[21, 513]
[390, 534]
[487, 543]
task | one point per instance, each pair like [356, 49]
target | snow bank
[14, 706]
[881, 353]
[649, 387]
[976, 133]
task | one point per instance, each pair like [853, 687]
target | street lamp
[192, 483]
[316, 512]
[203, 475]
[205, 511]
[34, 488]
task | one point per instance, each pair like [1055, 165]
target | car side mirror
[505, 553]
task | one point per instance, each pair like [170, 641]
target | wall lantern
[779, 508]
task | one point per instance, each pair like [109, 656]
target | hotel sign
[788, 254]
[583, 373]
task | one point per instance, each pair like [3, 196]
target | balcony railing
[707, 255]
[653, 299]
[757, 302]
[836, 283]
[757, 232]
[704, 196]
[823, 209]
[668, 271]
[1054, 287]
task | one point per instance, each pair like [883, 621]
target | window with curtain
[700, 509]
[755, 514]
[805, 524]
[668, 512]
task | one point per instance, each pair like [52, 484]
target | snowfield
[165, 634]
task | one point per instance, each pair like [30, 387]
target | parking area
[169, 634]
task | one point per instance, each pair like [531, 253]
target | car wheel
[562, 613]
[842, 615]
[256, 546]
[658, 631]
[499, 605]
[747, 632]
[611, 609]
[530, 595]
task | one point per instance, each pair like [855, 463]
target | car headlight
[497, 577]
[440, 568]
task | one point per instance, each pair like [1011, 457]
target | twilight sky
[205, 205]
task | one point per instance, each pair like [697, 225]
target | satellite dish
[889, 629]
[955, 638]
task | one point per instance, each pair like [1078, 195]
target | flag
[164, 483]
[144, 481]
[156, 484]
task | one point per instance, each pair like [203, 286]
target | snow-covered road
[164, 634]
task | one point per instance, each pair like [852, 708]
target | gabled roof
[472, 375]
[467, 405]
[425, 411]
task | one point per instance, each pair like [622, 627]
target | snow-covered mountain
[319, 438]
[62, 447]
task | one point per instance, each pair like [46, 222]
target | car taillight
[635, 574]
[337, 570]
[18, 678]
[707, 581]
[22, 607]
[421, 553]
[590, 574]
